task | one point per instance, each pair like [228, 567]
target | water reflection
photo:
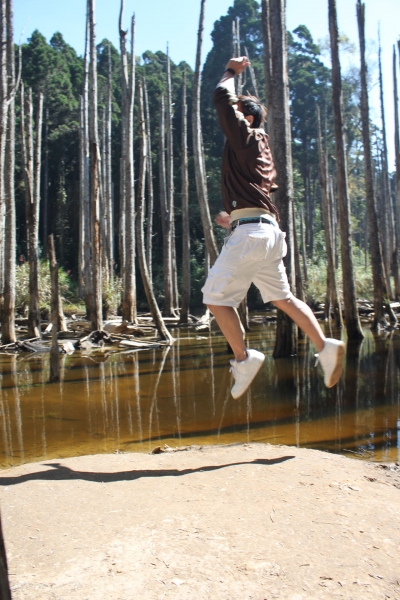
[181, 395]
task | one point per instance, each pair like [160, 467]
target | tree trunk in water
[354, 331]
[5, 593]
[128, 94]
[185, 294]
[388, 217]
[303, 245]
[170, 187]
[396, 254]
[332, 293]
[150, 191]
[109, 184]
[277, 92]
[85, 182]
[154, 310]
[165, 219]
[31, 165]
[97, 317]
[198, 150]
[55, 351]
[8, 312]
[380, 293]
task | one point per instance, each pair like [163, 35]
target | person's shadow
[58, 471]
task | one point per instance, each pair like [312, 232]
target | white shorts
[252, 253]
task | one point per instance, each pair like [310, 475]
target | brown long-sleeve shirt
[247, 167]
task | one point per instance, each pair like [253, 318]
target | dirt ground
[229, 522]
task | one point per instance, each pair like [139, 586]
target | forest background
[55, 69]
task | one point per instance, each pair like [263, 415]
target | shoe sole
[338, 368]
[250, 382]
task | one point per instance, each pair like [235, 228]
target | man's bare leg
[229, 323]
[303, 316]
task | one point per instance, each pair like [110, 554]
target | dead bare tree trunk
[276, 76]
[128, 94]
[165, 218]
[353, 327]
[185, 294]
[31, 160]
[85, 184]
[252, 75]
[150, 191]
[198, 150]
[154, 310]
[396, 253]
[8, 312]
[303, 245]
[3, 134]
[109, 183]
[380, 291]
[332, 293]
[96, 317]
[387, 236]
[170, 187]
[55, 351]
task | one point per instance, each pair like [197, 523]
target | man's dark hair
[252, 106]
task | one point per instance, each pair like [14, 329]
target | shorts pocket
[255, 247]
[217, 282]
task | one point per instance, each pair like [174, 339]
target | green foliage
[66, 286]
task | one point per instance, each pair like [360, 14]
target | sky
[176, 22]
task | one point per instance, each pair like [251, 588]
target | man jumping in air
[254, 250]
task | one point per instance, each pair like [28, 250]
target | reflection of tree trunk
[147, 284]
[198, 150]
[275, 64]
[185, 294]
[332, 293]
[354, 331]
[352, 372]
[153, 406]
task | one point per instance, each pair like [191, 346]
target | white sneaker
[245, 371]
[331, 359]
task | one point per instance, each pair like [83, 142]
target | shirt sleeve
[233, 124]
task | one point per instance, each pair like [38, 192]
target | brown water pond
[180, 396]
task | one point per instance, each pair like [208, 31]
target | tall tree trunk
[354, 331]
[396, 254]
[277, 92]
[109, 184]
[252, 75]
[104, 202]
[388, 217]
[198, 150]
[45, 209]
[150, 191]
[3, 134]
[85, 184]
[128, 94]
[303, 245]
[154, 310]
[380, 293]
[8, 312]
[185, 294]
[170, 187]
[96, 317]
[31, 160]
[331, 272]
[165, 218]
